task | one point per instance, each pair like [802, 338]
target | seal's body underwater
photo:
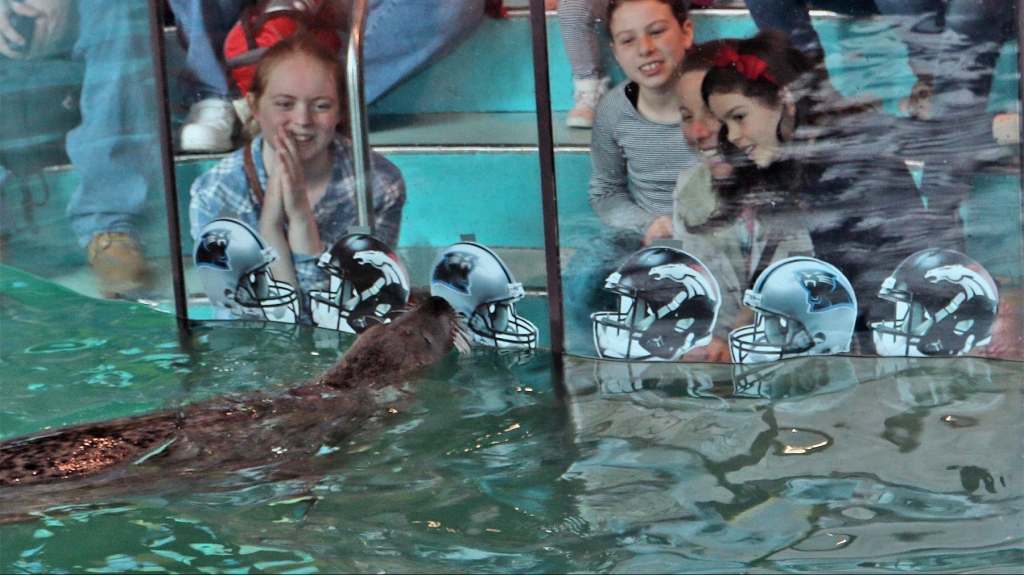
[235, 433]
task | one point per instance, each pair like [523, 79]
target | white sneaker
[209, 126]
[587, 93]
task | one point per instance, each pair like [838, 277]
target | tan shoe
[587, 94]
[1006, 128]
[117, 262]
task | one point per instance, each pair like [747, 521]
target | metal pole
[156, 39]
[549, 196]
[359, 126]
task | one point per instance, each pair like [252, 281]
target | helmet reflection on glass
[369, 285]
[946, 304]
[482, 289]
[812, 375]
[668, 380]
[668, 305]
[233, 264]
[803, 306]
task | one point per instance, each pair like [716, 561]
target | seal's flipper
[87, 450]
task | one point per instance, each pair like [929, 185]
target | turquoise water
[827, 464]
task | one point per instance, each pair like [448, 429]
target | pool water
[514, 462]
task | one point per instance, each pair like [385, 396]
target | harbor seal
[235, 433]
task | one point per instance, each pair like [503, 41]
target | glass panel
[463, 140]
[80, 155]
[877, 144]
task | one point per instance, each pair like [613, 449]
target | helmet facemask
[260, 296]
[771, 338]
[497, 324]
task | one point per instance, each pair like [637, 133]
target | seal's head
[417, 338]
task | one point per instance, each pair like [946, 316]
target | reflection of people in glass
[728, 235]
[637, 148]
[805, 150]
[953, 47]
[115, 148]
[294, 182]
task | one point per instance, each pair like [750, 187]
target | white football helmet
[233, 263]
[482, 289]
[803, 306]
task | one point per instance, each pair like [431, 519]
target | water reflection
[682, 466]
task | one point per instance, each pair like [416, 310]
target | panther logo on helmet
[946, 304]
[233, 264]
[213, 250]
[824, 290]
[454, 269]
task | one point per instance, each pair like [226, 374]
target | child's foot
[588, 93]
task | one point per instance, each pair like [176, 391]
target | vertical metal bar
[1020, 130]
[1020, 108]
[546, 149]
[359, 126]
[156, 39]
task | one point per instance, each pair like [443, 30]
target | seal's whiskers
[462, 339]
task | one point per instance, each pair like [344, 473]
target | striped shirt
[224, 191]
[634, 163]
[582, 44]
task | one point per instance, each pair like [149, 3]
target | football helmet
[369, 285]
[946, 304]
[668, 305]
[482, 289]
[233, 264]
[802, 306]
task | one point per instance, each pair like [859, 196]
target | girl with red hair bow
[806, 153]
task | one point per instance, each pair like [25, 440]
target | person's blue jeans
[204, 24]
[116, 149]
[404, 36]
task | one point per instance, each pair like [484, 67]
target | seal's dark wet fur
[234, 433]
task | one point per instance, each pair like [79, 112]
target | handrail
[358, 125]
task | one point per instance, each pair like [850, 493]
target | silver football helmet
[233, 263]
[946, 304]
[803, 306]
[369, 285]
[482, 289]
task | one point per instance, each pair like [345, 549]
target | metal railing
[358, 124]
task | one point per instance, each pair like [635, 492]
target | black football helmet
[668, 305]
[369, 285]
[946, 304]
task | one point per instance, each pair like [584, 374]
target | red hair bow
[750, 66]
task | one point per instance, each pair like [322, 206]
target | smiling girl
[827, 162]
[637, 148]
[730, 238]
[295, 181]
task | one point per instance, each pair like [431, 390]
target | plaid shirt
[224, 191]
